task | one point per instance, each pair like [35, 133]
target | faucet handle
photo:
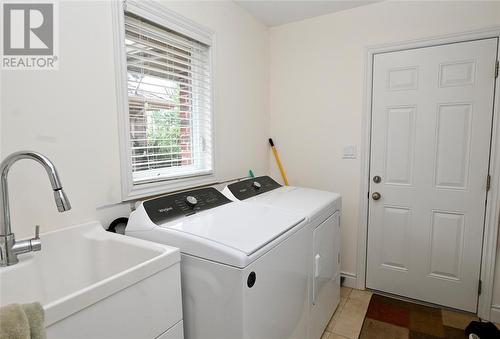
[36, 243]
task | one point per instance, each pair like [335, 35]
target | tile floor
[349, 317]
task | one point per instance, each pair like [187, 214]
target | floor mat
[389, 318]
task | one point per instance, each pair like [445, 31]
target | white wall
[317, 89]
[71, 114]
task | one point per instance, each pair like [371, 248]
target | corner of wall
[349, 279]
[495, 314]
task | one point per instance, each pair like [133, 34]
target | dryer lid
[312, 203]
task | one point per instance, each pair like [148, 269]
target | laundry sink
[82, 266]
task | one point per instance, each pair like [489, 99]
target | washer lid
[243, 227]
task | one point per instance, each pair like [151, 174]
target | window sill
[139, 191]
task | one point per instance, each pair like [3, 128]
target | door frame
[492, 216]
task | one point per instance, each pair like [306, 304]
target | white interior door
[430, 144]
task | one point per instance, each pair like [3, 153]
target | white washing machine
[244, 267]
[322, 212]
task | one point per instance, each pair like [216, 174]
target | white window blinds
[168, 78]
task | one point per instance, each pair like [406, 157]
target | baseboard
[495, 314]
[349, 279]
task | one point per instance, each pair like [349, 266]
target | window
[168, 127]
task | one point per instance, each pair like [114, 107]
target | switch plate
[349, 152]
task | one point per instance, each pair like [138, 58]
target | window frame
[160, 15]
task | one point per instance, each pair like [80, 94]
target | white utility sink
[84, 275]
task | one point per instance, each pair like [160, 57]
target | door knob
[376, 195]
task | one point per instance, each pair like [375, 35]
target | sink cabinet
[96, 284]
[147, 309]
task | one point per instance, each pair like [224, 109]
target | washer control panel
[251, 187]
[168, 207]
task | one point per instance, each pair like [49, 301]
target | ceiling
[278, 12]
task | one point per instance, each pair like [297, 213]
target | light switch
[349, 152]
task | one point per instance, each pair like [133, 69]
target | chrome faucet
[9, 247]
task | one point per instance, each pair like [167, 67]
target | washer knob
[191, 201]
[256, 185]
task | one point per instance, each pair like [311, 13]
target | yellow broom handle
[278, 161]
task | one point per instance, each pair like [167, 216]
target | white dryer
[244, 269]
[322, 212]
